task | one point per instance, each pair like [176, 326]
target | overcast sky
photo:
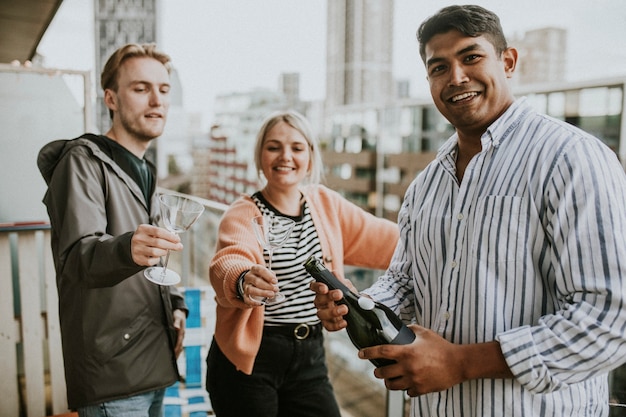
[223, 46]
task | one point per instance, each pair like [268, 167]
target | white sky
[223, 46]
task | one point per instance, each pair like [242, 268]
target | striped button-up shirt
[526, 250]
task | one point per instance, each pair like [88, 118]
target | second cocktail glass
[272, 232]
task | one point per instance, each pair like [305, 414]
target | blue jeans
[149, 404]
[289, 379]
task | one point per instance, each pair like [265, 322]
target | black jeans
[290, 379]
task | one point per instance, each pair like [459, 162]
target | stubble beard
[135, 128]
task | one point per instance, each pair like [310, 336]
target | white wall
[35, 108]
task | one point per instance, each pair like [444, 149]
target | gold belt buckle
[296, 331]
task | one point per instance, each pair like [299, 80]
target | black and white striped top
[288, 264]
[528, 250]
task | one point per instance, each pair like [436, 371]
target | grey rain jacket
[116, 326]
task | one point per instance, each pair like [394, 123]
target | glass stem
[270, 259]
[164, 272]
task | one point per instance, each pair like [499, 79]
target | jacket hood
[51, 153]
[49, 156]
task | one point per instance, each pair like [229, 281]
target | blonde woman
[268, 360]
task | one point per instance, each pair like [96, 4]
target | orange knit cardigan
[348, 235]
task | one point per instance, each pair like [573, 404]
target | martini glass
[271, 232]
[178, 214]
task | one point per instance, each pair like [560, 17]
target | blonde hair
[301, 124]
[108, 78]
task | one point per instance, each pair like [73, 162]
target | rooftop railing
[33, 383]
[30, 343]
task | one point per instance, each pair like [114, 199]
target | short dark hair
[470, 20]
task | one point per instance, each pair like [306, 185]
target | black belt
[299, 331]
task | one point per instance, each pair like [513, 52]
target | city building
[223, 166]
[359, 73]
[289, 85]
[229, 169]
[359, 49]
[541, 56]
[118, 22]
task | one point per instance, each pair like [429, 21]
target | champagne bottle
[369, 322]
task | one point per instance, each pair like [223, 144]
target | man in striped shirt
[511, 241]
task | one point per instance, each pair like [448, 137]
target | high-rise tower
[118, 22]
[542, 56]
[359, 52]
